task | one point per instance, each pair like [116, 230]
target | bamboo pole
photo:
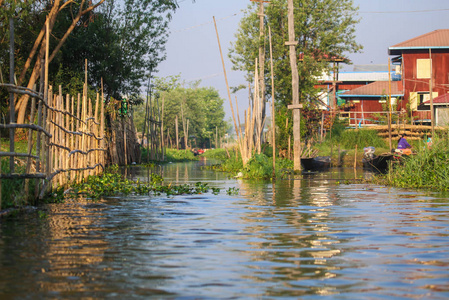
[124, 139]
[295, 87]
[162, 130]
[227, 84]
[30, 135]
[102, 142]
[72, 137]
[273, 114]
[187, 141]
[389, 105]
[11, 94]
[176, 129]
[46, 117]
[39, 123]
[261, 112]
[97, 131]
[432, 112]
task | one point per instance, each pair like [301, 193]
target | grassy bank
[427, 169]
[171, 155]
[15, 192]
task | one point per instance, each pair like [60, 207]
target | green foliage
[322, 27]
[284, 124]
[123, 43]
[428, 169]
[175, 155]
[348, 139]
[12, 192]
[202, 106]
[231, 165]
[259, 166]
[219, 153]
[112, 183]
[232, 191]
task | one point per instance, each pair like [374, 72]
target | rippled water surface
[309, 238]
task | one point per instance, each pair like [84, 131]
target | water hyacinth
[112, 183]
[429, 168]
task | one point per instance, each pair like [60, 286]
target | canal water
[313, 238]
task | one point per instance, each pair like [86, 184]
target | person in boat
[429, 143]
[403, 146]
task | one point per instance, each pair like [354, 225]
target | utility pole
[296, 107]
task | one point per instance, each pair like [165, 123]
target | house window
[423, 68]
[423, 96]
[417, 98]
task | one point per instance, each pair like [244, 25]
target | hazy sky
[192, 49]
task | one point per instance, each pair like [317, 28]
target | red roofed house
[415, 59]
[367, 100]
[424, 59]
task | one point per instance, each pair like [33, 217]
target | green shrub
[428, 169]
[12, 192]
[175, 155]
[171, 155]
[259, 166]
[219, 153]
[362, 138]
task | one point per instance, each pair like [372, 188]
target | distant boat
[378, 163]
[317, 163]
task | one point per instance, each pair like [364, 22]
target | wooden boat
[378, 163]
[317, 163]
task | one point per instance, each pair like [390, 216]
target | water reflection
[303, 238]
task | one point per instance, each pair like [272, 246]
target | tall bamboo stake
[162, 129]
[432, 112]
[11, 94]
[273, 114]
[102, 142]
[295, 88]
[389, 105]
[227, 84]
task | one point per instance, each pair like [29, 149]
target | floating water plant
[114, 184]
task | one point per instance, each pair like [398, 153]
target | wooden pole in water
[273, 115]
[47, 139]
[162, 130]
[389, 105]
[227, 86]
[11, 94]
[355, 157]
[295, 88]
[176, 132]
[432, 112]
[187, 137]
[102, 143]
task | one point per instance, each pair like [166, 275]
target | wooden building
[367, 103]
[420, 68]
[423, 62]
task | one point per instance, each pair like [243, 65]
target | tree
[43, 13]
[201, 105]
[138, 31]
[323, 28]
[125, 45]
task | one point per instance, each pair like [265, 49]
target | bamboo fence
[65, 139]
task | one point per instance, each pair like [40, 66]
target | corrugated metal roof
[442, 99]
[378, 88]
[434, 39]
[357, 76]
